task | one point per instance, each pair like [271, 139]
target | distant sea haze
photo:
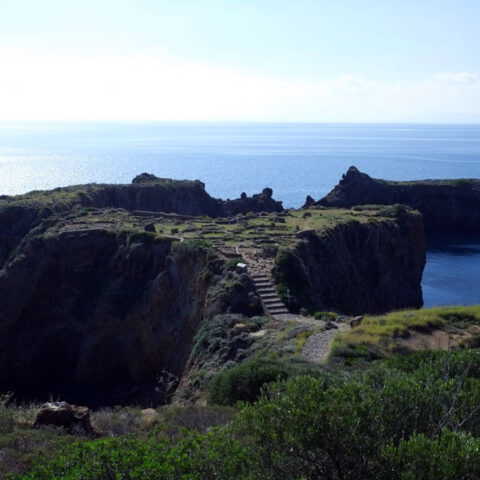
[295, 160]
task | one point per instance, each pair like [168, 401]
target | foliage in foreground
[244, 382]
[416, 417]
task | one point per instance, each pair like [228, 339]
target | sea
[295, 160]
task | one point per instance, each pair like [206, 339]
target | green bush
[310, 428]
[450, 456]
[232, 263]
[207, 275]
[326, 316]
[189, 246]
[244, 382]
[141, 237]
[197, 457]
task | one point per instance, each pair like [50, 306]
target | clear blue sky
[338, 57]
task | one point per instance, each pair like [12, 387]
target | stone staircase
[259, 268]
[268, 294]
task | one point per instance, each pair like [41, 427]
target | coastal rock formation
[97, 302]
[356, 268]
[74, 419]
[20, 214]
[261, 202]
[94, 315]
[447, 205]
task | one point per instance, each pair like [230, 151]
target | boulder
[330, 326]
[73, 418]
[149, 417]
[149, 227]
[356, 321]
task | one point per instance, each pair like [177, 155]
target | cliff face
[447, 205]
[356, 268]
[94, 316]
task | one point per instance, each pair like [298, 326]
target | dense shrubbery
[197, 457]
[244, 382]
[415, 417]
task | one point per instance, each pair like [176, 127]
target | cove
[452, 271]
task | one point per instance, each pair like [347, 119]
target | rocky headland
[104, 287]
[20, 214]
[447, 206]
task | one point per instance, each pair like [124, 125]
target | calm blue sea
[293, 159]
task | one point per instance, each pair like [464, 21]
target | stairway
[267, 293]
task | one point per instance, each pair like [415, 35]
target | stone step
[274, 305]
[266, 290]
[272, 301]
[269, 295]
[281, 311]
[263, 283]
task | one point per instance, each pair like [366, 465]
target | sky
[240, 60]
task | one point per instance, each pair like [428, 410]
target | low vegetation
[410, 417]
[381, 336]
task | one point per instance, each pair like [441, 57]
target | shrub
[450, 456]
[313, 428]
[207, 275]
[232, 263]
[141, 237]
[244, 382]
[326, 316]
[198, 457]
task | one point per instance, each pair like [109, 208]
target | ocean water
[452, 271]
[294, 159]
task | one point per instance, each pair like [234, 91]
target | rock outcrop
[447, 205]
[74, 419]
[20, 214]
[356, 268]
[97, 302]
[94, 315]
[261, 202]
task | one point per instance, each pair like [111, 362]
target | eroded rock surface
[356, 268]
[448, 206]
[93, 315]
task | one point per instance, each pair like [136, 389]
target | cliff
[354, 267]
[94, 314]
[97, 302]
[447, 205]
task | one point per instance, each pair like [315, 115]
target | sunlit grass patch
[378, 336]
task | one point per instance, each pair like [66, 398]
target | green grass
[279, 229]
[377, 336]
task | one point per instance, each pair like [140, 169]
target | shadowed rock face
[91, 316]
[357, 268]
[447, 205]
